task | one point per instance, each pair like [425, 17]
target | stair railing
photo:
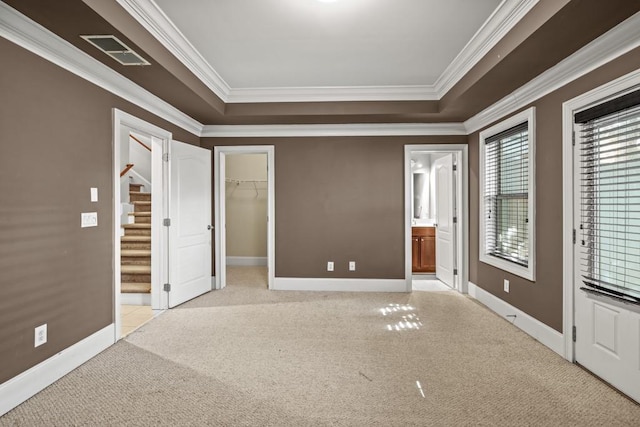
[126, 169]
[140, 142]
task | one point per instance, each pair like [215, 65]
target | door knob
[209, 227]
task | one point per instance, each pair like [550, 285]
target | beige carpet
[249, 357]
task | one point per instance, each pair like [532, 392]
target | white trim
[528, 272]
[583, 101]
[219, 153]
[339, 285]
[462, 210]
[159, 139]
[532, 326]
[154, 20]
[25, 385]
[614, 43]
[30, 35]
[501, 21]
[365, 129]
[333, 94]
[247, 260]
[135, 299]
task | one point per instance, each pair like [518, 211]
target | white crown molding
[333, 94]
[154, 20]
[158, 24]
[365, 129]
[30, 35]
[614, 43]
[501, 21]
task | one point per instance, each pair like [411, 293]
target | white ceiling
[416, 49]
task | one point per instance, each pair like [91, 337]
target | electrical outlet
[330, 266]
[352, 266]
[40, 335]
[506, 285]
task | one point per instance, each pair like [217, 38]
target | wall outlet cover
[506, 285]
[330, 266]
[352, 266]
[40, 335]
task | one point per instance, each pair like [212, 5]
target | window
[609, 153]
[507, 195]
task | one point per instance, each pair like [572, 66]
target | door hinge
[455, 271]
[574, 334]
[455, 219]
[166, 222]
[165, 157]
[167, 287]
[574, 236]
[573, 138]
[455, 168]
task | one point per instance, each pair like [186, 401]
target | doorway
[436, 215]
[156, 140]
[245, 185]
[601, 278]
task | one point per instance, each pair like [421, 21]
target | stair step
[135, 269]
[141, 206]
[136, 252]
[138, 196]
[143, 239]
[141, 217]
[137, 229]
[135, 287]
[135, 260]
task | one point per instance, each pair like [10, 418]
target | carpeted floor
[249, 357]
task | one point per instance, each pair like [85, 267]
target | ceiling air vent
[116, 49]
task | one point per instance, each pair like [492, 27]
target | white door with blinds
[607, 249]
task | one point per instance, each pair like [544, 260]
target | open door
[445, 229]
[190, 230]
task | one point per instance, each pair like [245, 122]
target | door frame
[594, 96]
[462, 205]
[160, 139]
[219, 153]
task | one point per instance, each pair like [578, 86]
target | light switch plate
[89, 219]
[94, 194]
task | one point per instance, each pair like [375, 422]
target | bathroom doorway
[436, 216]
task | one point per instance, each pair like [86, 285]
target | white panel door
[190, 230]
[445, 229]
[607, 340]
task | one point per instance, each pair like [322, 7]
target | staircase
[135, 245]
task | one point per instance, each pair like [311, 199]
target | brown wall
[56, 143]
[339, 199]
[541, 299]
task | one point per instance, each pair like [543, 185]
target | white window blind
[610, 196]
[506, 197]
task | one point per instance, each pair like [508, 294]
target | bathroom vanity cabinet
[423, 248]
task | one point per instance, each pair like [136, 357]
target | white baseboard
[339, 285]
[532, 326]
[20, 388]
[135, 299]
[246, 260]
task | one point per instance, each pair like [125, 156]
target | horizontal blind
[506, 197]
[610, 201]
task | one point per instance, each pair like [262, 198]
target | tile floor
[134, 316]
[429, 285]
